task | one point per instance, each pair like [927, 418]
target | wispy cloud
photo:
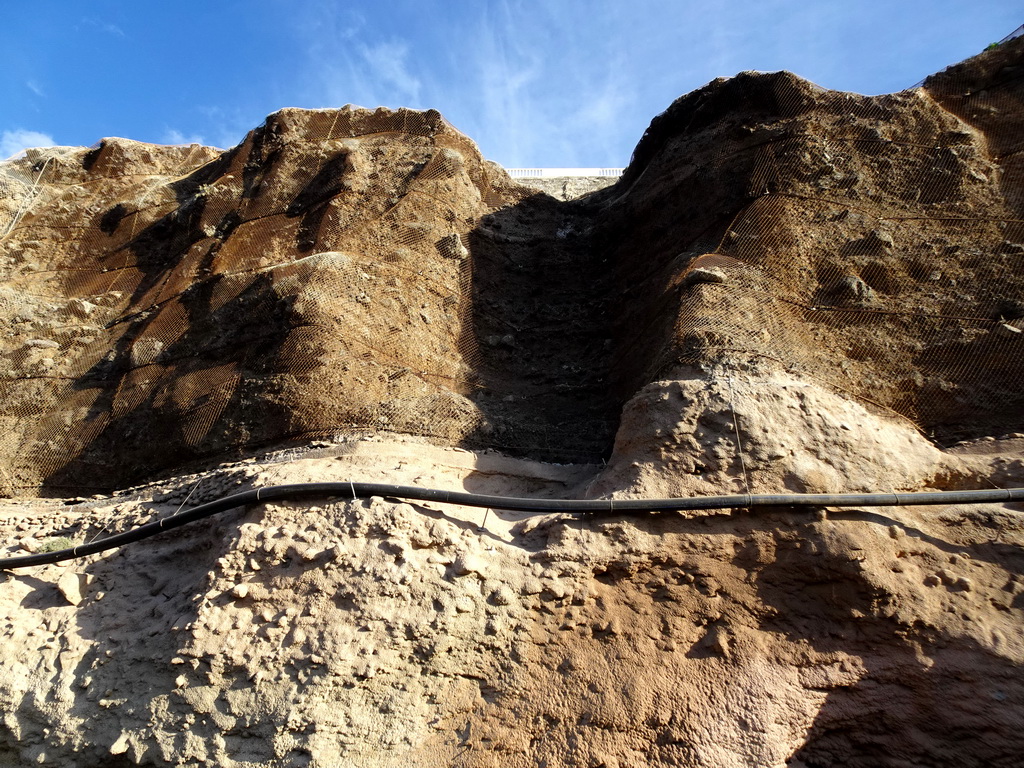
[322, 21]
[372, 75]
[386, 66]
[103, 26]
[601, 116]
[539, 83]
[347, 59]
[503, 72]
[33, 86]
[226, 126]
[173, 136]
[13, 142]
[533, 83]
[349, 23]
[550, 87]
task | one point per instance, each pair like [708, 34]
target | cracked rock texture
[789, 290]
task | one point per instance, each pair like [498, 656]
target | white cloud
[547, 88]
[226, 126]
[13, 142]
[322, 20]
[502, 87]
[172, 136]
[385, 64]
[350, 58]
[540, 83]
[104, 26]
[33, 86]
[533, 83]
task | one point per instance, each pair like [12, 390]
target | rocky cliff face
[790, 289]
[171, 303]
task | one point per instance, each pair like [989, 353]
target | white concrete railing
[557, 173]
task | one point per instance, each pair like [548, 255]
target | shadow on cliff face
[942, 706]
[139, 662]
[540, 314]
[926, 696]
[196, 362]
[143, 420]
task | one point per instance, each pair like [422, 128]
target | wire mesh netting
[874, 244]
[352, 270]
[155, 294]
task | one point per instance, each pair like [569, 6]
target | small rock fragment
[875, 242]
[503, 596]
[81, 307]
[532, 586]
[851, 289]
[71, 585]
[145, 351]
[42, 343]
[120, 746]
[703, 275]
[468, 563]
[717, 640]
[451, 247]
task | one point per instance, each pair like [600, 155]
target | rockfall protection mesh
[149, 308]
[348, 270]
[875, 244]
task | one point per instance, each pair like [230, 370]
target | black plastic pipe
[538, 506]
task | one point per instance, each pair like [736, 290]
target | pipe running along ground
[352, 490]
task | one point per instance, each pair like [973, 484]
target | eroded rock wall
[168, 303]
[789, 290]
[377, 633]
[352, 270]
[869, 243]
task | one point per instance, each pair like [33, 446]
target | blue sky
[571, 83]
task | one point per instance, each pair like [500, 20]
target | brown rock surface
[173, 302]
[790, 290]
